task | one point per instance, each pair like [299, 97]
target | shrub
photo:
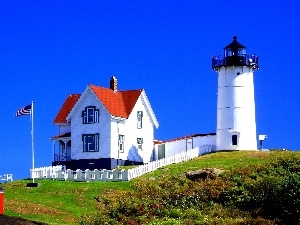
[249, 195]
[271, 191]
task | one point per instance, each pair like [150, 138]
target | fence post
[104, 176]
[97, 174]
[87, 175]
[125, 175]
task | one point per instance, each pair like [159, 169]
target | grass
[64, 202]
[55, 202]
[221, 160]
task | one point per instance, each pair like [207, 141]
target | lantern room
[235, 55]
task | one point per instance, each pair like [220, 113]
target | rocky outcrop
[203, 174]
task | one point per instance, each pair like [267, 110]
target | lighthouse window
[234, 139]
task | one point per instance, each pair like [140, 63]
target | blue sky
[49, 49]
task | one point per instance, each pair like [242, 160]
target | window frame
[139, 119]
[139, 143]
[87, 142]
[90, 115]
[121, 140]
[234, 139]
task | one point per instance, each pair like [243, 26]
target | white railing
[59, 172]
[6, 178]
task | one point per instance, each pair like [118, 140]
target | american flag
[24, 111]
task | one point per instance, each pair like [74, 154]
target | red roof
[66, 108]
[119, 103]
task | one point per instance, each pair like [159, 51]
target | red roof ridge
[118, 103]
[97, 86]
[66, 108]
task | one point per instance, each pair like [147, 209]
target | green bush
[271, 191]
[257, 194]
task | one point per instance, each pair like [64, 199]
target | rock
[203, 174]
[98, 199]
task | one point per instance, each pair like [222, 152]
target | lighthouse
[236, 125]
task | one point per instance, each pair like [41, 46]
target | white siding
[180, 145]
[103, 128]
[129, 129]
[118, 126]
[64, 129]
[236, 109]
[205, 140]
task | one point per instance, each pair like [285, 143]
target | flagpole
[32, 142]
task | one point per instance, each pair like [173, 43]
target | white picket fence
[59, 172]
[6, 178]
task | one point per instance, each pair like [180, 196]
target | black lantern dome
[235, 55]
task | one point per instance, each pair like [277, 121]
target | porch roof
[61, 136]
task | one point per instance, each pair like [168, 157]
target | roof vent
[113, 83]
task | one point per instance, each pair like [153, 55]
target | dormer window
[139, 119]
[90, 115]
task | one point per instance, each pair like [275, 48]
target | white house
[103, 128]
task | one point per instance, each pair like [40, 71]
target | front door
[189, 143]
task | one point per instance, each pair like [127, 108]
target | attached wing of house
[103, 128]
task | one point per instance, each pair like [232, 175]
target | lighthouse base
[233, 140]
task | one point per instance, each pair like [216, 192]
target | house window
[234, 139]
[121, 143]
[140, 143]
[90, 142]
[139, 119]
[90, 115]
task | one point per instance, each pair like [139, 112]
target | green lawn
[55, 202]
[64, 202]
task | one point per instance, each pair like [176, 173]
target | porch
[62, 148]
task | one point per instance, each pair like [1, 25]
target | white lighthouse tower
[236, 126]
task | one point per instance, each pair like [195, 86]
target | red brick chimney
[113, 83]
